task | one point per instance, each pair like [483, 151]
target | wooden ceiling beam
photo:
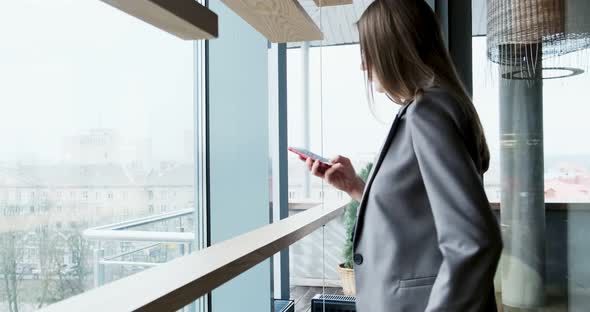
[324, 3]
[185, 19]
[277, 20]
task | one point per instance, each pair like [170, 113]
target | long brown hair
[402, 45]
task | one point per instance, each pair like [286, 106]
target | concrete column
[522, 193]
[238, 128]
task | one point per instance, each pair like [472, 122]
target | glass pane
[341, 122]
[546, 271]
[537, 182]
[310, 273]
[329, 115]
[96, 135]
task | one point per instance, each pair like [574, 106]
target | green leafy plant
[350, 219]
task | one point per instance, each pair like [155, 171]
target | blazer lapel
[381, 154]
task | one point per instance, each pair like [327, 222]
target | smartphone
[305, 154]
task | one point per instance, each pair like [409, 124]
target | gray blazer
[425, 236]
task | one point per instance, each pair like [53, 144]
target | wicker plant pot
[347, 279]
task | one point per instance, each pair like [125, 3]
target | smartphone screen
[307, 154]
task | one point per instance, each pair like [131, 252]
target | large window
[567, 158]
[329, 114]
[544, 265]
[96, 128]
[336, 119]
[339, 119]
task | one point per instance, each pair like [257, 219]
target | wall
[238, 146]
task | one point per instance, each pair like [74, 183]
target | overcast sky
[71, 65]
[350, 129]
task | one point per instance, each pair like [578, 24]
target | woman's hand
[341, 175]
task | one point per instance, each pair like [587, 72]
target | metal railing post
[98, 267]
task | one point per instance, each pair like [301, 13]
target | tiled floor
[303, 294]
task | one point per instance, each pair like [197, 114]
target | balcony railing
[121, 231]
[172, 285]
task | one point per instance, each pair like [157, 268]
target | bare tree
[48, 253]
[79, 251]
[10, 256]
[61, 281]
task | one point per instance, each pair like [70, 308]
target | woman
[425, 239]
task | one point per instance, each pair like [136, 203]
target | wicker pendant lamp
[520, 33]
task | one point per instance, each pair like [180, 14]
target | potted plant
[346, 268]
